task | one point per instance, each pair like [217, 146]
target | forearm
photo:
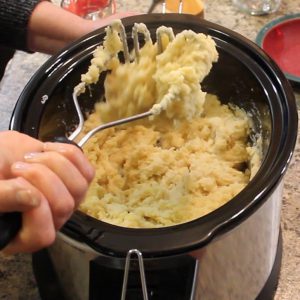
[37, 25]
[51, 28]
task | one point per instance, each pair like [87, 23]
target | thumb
[17, 194]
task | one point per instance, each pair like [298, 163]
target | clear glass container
[90, 9]
[257, 7]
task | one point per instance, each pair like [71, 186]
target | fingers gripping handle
[10, 224]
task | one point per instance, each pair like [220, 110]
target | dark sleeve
[14, 17]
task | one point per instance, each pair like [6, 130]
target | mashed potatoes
[156, 173]
[169, 81]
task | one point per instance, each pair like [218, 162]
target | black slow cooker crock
[244, 76]
[246, 229]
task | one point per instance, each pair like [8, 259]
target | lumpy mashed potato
[167, 81]
[156, 173]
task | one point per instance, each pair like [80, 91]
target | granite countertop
[16, 278]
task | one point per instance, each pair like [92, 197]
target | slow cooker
[234, 252]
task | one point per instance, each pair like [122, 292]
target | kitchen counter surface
[16, 278]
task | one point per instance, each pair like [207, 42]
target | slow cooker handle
[10, 224]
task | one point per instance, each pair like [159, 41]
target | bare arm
[51, 28]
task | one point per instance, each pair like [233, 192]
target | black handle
[10, 224]
[64, 139]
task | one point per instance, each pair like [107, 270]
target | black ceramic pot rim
[115, 240]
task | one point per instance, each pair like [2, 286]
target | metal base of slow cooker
[49, 286]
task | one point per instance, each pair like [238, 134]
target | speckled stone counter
[16, 279]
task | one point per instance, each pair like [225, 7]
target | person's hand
[44, 181]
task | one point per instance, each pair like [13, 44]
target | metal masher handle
[70, 139]
[142, 273]
[112, 124]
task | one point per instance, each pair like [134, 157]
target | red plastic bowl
[281, 40]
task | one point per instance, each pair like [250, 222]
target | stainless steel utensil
[136, 30]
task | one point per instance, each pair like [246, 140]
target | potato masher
[136, 30]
